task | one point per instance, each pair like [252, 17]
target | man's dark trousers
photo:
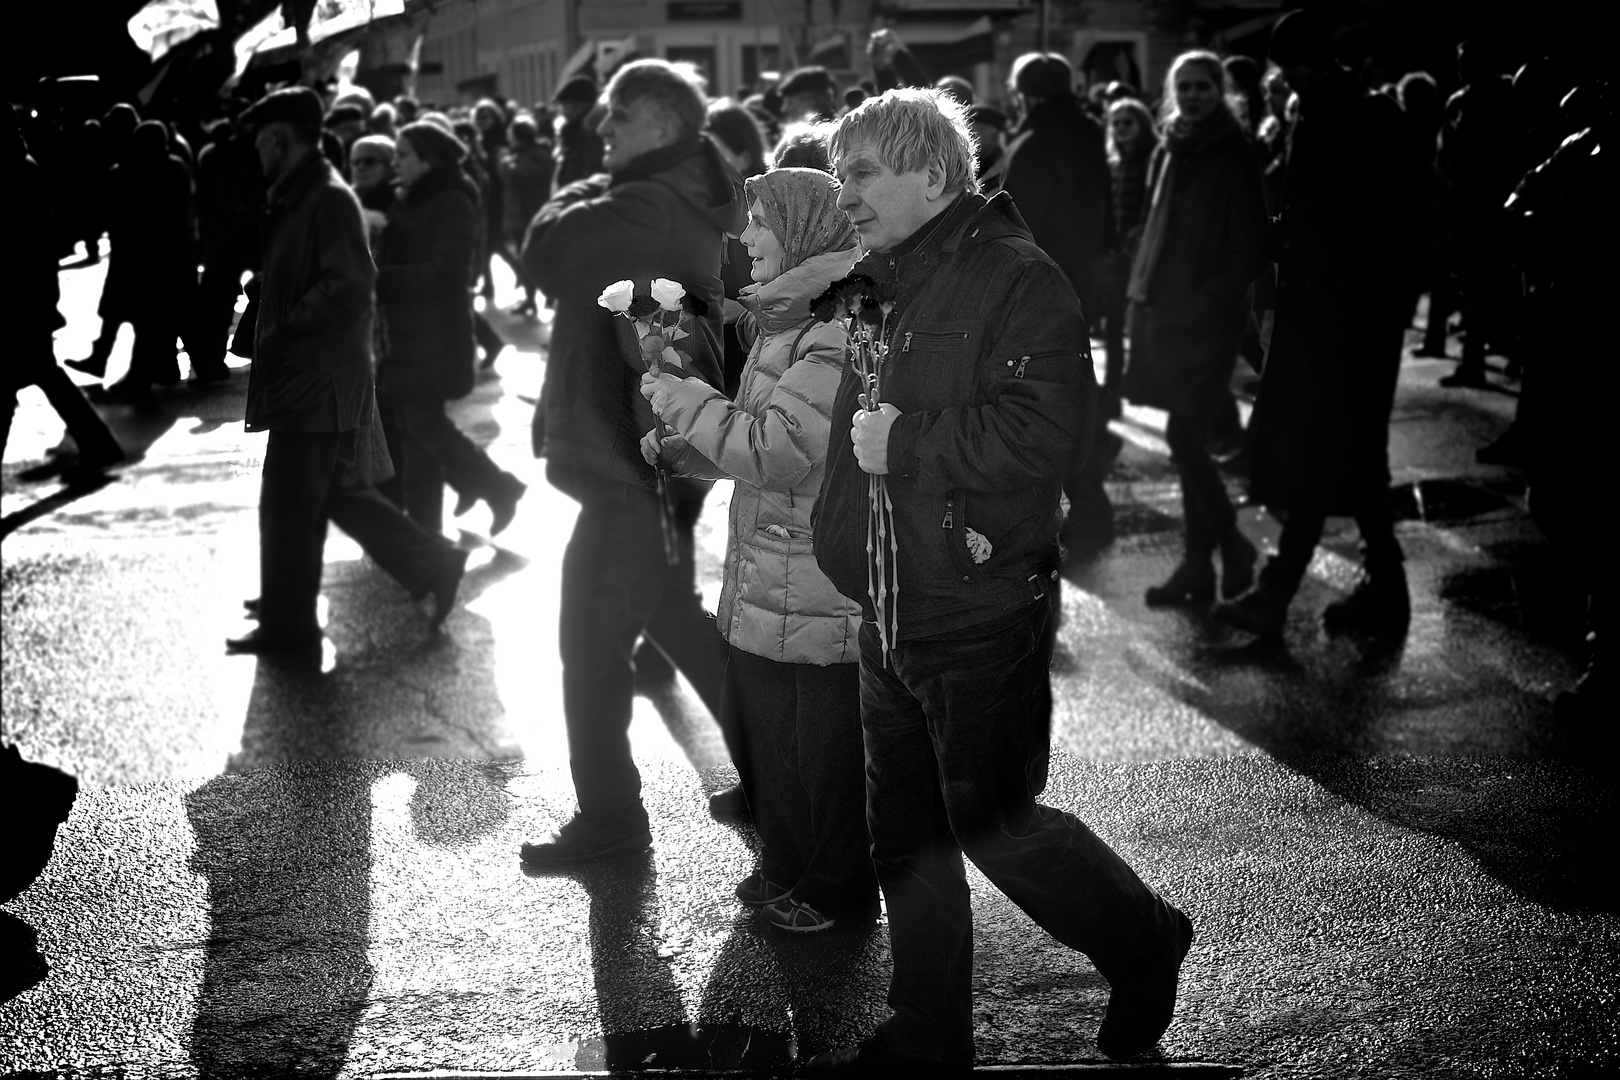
[973, 711]
[618, 584]
[298, 495]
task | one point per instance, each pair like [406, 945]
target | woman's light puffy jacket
[775, 602]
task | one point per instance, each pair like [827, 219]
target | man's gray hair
[675, 90]
[910, 128]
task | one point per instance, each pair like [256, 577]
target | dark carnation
[694, 306]
[642, 307]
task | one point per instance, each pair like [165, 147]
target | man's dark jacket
[1057, 173]
[1344, 289]
[990, 366]
[425, 267]
[312, 343]
[665, 214]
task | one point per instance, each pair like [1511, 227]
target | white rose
[668, 293]
[617, 296]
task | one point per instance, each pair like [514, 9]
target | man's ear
[936, 179]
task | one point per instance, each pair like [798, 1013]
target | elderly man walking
[985, 392]
[310, 387]
[663, 209]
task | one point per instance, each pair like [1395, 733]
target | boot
[1191, 582]
[1237, 564]
[1262, 611]
[1379, 605]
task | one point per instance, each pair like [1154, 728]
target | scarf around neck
[1181, 140]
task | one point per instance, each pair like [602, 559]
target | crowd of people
[888, 298]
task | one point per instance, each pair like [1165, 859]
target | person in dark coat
[1205, 239]
[30, 313]
[741, 142]
[425, 266]
[230, 196]
[525, 169]
[663, 210]
[579, 147]
[1132, 139]
[310, 387]
[1057, 174]
[1321, 424]
[152, 269]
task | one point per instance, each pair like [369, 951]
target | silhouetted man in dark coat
[1321, 426]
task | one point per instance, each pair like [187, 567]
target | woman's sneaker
[757, 890]
[800, 918]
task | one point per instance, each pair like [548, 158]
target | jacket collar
[784, 301]
[291, 188]
[971, 219]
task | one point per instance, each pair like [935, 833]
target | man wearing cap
[662, 210]
[1321, 424]
[310, 387]
[579, 147]
[809, 95]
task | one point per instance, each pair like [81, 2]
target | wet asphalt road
[1395, 866]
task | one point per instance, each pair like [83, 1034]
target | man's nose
[846, 198]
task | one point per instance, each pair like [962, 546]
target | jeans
[1301, 532]
[298, 495]
[95, 441]
[429, 450]
[801, 725]
[957, 746]
[617, 585]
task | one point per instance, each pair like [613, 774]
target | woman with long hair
[1203, 242]
[792, 685]
[425, 265]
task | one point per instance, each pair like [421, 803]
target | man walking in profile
[310, 387]
[985, 392]
[661, 210]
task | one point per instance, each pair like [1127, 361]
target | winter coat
[774, 601]
[665, 214]
[1185, 339]
[990, 366]
[1321, 424]
[526, 180]
[1057, 174]
[312, 342]
[154, 248]
[425, 268]
[1130, 190]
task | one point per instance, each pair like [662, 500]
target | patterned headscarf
[801, 208]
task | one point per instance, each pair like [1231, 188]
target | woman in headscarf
[425, 265]
[791, 696]
[1204, 241]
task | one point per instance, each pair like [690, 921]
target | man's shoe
[445, 583]
[1466, 377]
[503, 503]
[795, 917]
[584, 839]
[756, 890]
[258, 642]
[730, 804]
[1261, 611]
[1191, 582]
[1379, 605]
[1140, 1008]
[877, 1059]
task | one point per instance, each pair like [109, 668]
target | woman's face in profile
[763, 246]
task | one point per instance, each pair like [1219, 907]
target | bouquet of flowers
[865, 309]
[658, 316]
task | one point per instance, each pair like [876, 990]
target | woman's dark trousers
[1208, 511]
[957, 746]
[430, 451]
[617, 584]
[807, 788]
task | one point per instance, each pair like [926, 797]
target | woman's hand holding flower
[658, 390]
[652, 445]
